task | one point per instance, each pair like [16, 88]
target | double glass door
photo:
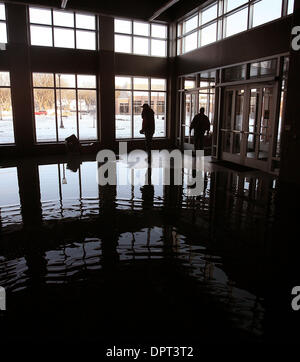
[247, 125]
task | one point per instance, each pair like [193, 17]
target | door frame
[186, 140]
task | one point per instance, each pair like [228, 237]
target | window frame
[132, 90]
[74, 28]
[149, 37]
[55, 88]
[4, 21]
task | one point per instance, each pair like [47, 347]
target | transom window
[6, 114]
[62, 29]
[65, 104]
[130, 94]
[140, 38]
[224, 18]
[3, 32]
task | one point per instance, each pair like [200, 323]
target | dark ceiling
[136, 9]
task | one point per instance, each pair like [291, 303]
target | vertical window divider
[132, 107]
[55, 106]
[52, 28]
[77, 117]
[75, 36]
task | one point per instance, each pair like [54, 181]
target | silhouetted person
[148, 126]
[200, 124]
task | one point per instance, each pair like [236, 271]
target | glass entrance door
[247, 125]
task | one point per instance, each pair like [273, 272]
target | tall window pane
[190, 42]
[266, 10]
[6, 115]
[233, 4]
[40, 16]
[141, 83]
[158, 104]
[65, 80]
[122, 44]
[158, 31]
[41, 35]
[66, 113]
[64, 38]
[122, 82]
[86, 81]
[290, 7]
[62, 18]
[209, 34]
[158, 48]
[85, 40]
[158, 84]
[87, 114]
[139, 98]
[208, 14]
[123, 26]
[44, 114]
[190, 24]
[236, 23]
[3, 34]
[140, 28]
[85, 21]
[123, 113]
[140, 46]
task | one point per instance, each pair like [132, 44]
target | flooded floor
[146, 262]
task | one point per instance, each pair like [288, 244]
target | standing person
[200, 124]
[148, 126]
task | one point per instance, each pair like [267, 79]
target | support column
[20, 74]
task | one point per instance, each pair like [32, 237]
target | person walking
[200, 124]
[148, 126]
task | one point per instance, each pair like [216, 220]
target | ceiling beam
[169, 4]
[64, 3]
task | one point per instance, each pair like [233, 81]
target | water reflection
[69, 230]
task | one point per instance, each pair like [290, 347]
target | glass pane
[6, 116]
[209, 34]
[44, 113]
[190, 24]
[266, 10]
[85, 40]
[226, 124]
[41, 35]
[265, 126]
[65, 80]
[189, 84]
[66, 113]
[122, 82]
[62, 18]
[141, 46]
[158, 47]
[86, 81]
[158, 84]
[158, 31]
[237, 140]
[290, 7]
[187, 118]
[43, 80]
[140, 28]
[123, 26]
[262, 69]
[87, 114]
[2, 12]
[158, 104]
[236, 23]
[3, 35]
[64, 38]
[123, 114]
[232, 4]
[40, 16]
[239, 109]
[226, 137]
[234, 73]
[208, 14]
[141, 83]
[4, 79]
[252, 123]
[139, 98]
[190, 42]
[122, 44]
[85, 21]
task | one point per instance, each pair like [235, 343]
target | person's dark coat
[148, 126]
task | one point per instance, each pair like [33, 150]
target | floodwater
[146, 262]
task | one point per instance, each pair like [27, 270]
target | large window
[6, 115]
[140, 38]
[62, 29]
[65, 104]
[224, 18]
[131, 94]
[3, 33]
